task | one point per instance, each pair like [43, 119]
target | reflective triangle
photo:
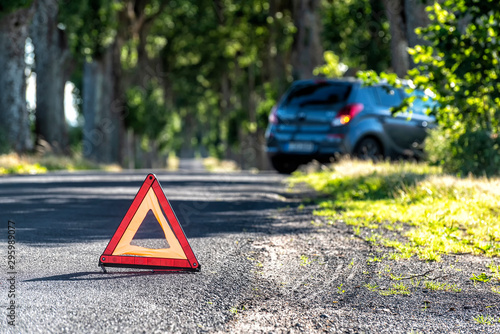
[121, 253]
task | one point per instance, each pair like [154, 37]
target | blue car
[323, 119]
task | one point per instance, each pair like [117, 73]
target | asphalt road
[63, 222]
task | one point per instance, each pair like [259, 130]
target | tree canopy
[196, 78]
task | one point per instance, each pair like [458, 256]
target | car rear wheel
[283, 165]
[369, 149]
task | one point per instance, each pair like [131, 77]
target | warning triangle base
[154, 265]
[120, 252]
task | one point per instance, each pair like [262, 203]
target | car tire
[283, 165]
[369, 149]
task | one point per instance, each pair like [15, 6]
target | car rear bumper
[319, 152]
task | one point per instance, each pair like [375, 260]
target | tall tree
[404, 17]
[96, 38]
[14, 118]
[102, 109]
[357, 32]
[416, 17]
[52, 67]
[400, 59]
[307, 51]
[111, 37]
[142, 77]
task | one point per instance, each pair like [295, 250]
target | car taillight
[273, 118]
[346, 114]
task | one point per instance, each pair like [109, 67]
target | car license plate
[300, 147]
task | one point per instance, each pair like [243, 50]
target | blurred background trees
[15, 133]
[154, 77]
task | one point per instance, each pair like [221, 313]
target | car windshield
[317, 94]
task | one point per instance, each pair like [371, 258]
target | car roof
[323, 80]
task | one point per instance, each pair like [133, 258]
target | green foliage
[147, 114]
[219, 61]
[91, 25]
[332, 68]
[219, 66]
[357, 31]
[270, 98]
[465, 151]
[465, 79]
[8, 6]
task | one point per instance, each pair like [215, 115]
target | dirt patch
[324, 278]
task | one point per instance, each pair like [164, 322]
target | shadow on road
[98, 276]
[80, 207]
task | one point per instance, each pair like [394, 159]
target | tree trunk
[277, 58]
[187, 150]
[52, 67]
[225, 107]
[129, 161]
[14, 121]
[256, 147]
[416, 17]
[400, 61]
[307, 52]
[102, 109]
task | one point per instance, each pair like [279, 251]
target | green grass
[371, 287]
[15, 164]
[486, 320]
[396, 289]
[481, 278]
[441, 286]
[38, 164]
[304, 260]
[426, 212]
[215, 165]
[495, 270]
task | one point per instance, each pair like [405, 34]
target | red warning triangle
[121, 253]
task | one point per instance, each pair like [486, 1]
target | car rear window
[317, 94]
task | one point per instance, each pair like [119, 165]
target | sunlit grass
[433, 212]
[35, 164]
[215, 165]
[172, 162]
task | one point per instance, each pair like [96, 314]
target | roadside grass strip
[38, 164]
[14, 164]
[411, 207]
